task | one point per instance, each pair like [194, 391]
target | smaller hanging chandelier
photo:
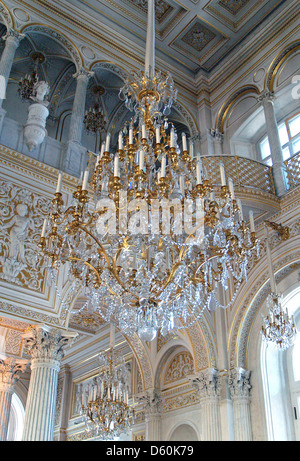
[27, 83]
[94, 119]
[278, 328]
[105, 407]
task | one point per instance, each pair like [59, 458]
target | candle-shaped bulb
[163, 166]
[231, 188]
[131, 134]
[102, 150]
[141, 159]
[120, 141]
[251, 218]
[116, 166]
[184, 144]
[59, 181]
[191, 148]
[85, 180]
[172, 137]
[107, 143]
[181, 184]
[241, 209]
[144, 132]
[222, 172]
[157, 134]
[198, 171]
[44, 228]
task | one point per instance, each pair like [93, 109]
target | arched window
[281, 381]
[16, 420]
[289, 134]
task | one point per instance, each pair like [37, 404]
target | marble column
[208, 387]
[12, 41]
[279, 169]
[74, 154]
[10, 370]
[239, 385]
[153, 410]
[46, 347]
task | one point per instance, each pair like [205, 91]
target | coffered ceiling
[194, 34]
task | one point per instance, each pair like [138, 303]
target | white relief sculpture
[15, 262]
[21, 219]
[35, 131]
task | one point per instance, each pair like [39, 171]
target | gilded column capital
[266, 96]
[13, 36]
[10, 370]
[216, 134]
[239, 383]
[152, 402]
[47, 344]
[83, 74]
[207, 383]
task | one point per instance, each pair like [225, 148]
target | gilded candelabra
[105, 400]
[151, 238]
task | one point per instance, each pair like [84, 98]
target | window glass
[265, 148]
[283, 134]
[269, 162]
[296, 146]
[294, 125]
[286, 153]
[296, 361]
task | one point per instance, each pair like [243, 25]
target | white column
[73, 156]
[153, 410]
[10, 370]
[76, 124]
[46, 349]
[12, 41]
[239, 384]
[207, 384]
[267, 99]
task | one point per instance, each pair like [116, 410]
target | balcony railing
[244, 172]
[293, 170]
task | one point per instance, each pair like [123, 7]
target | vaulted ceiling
[194, 34]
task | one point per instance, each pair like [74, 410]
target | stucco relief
[21, 218]
[180, 367]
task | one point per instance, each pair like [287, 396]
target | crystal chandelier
[105, 408]
[278, 328]
[27, 83]
[152, 240]
[94, 119]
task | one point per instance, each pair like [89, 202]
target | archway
[184, 432]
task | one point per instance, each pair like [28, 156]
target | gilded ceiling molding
[278, 63]
[255, 296]
[57, 35]
[225, 110]
[6, 16]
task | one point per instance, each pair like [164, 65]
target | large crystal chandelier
[152, 240]
[278, 328]
[105, 400]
